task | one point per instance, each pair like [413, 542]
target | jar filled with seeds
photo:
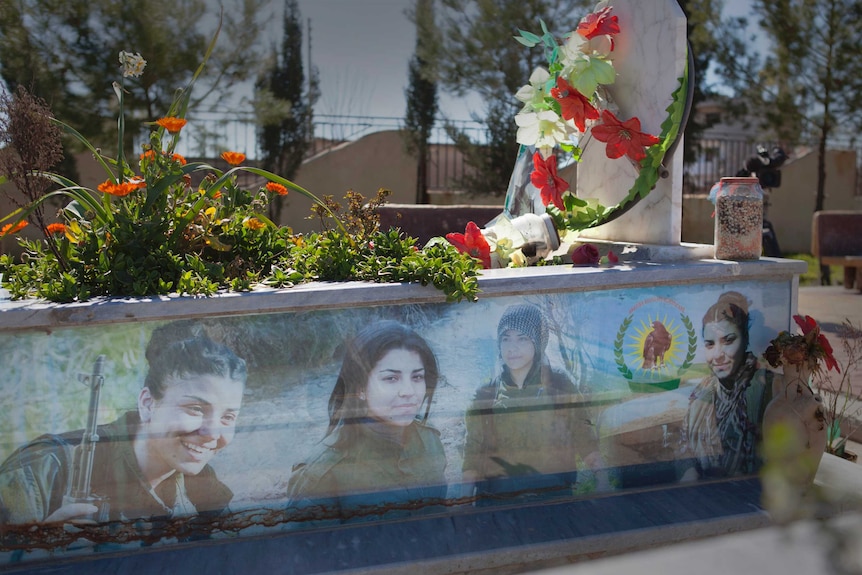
[738, 219]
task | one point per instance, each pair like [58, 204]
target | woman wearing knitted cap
[524, 433]
[723, 425]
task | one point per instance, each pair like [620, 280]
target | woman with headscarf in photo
[526, 429]
[723, 426]
[151, 463]
[379, 456]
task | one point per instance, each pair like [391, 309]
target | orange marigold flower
[217, 195]
[120, 190]
[171, 124]
[148, 155]
[56, 228]
[233, 158]
[12, 228]
[254, 224]
[276, 188]
[179, 158]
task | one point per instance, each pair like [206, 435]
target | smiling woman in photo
[150, 463]
[723, 425]
[379, 456]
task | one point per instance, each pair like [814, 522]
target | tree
[421, 95]
[704, 27]
[67, 54]
[283, 105]
[478, 54]
[809, 88]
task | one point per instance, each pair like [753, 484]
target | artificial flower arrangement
[805, 351]
[149, 229]
[565, 106]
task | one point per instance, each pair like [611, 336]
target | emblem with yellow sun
[654, 346]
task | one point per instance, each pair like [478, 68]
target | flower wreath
[568, 99]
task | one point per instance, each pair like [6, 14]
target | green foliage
[477, 55]
[148, 230]
[63, 51]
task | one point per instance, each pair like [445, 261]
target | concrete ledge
[505, 539]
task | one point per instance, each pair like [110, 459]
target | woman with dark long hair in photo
[723, 426]
[379, 455]
[152, 462]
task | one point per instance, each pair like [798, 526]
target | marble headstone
[650, 57]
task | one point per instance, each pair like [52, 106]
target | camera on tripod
[765, 166]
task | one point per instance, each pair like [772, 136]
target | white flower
[543, 129]
[133, 64]
[533, 95]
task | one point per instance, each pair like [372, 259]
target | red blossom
[612, 258]
[585, 255]
[544, 177]
[598, 24]
[809, 325]
[573, 105]
[473, 243]
[623, 138]
[806, 323]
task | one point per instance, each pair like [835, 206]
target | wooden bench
[836, 240]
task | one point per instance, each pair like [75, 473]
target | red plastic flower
[573, 105]
[585, 255]
[623, 138]
[544, 177]
[171, 124]
[809, 325]
[473, 243]
[233, 158]
[598, 24]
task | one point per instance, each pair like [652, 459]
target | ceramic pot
[794, 425]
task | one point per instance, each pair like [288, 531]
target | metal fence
[207, 135]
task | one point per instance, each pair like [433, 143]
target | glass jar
[738, 219]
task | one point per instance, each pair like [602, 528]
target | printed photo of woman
[379, 456]
[525, 432]
[150, 463]
[723, 425]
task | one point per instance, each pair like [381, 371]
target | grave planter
[292, 340]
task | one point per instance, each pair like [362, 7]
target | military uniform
[34, 479]
[369, 476]
[527, 441]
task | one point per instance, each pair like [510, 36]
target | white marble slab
[650, 57]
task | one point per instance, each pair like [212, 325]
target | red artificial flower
[473, 243]
[544, 177]
[598, 24]
[623, 138]
[574, 105]
[808, 325]
[585, 255]
[612, 258]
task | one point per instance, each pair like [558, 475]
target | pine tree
[421, 96]
[283, 105]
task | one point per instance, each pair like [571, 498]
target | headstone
[650, 57]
